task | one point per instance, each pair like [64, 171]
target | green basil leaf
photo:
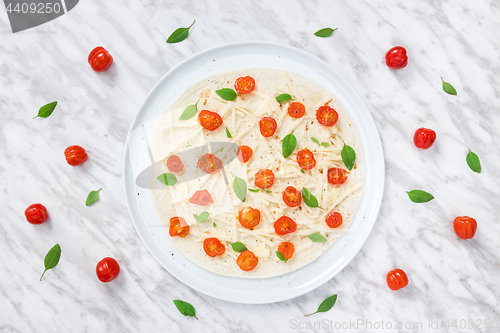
[317, 238]
[448, 88]
[267, 191]
[325, 144]
[326, 305]
[281, 256]
[289, 144]
[228, 134]
[253, 190]
[315, 140]
[302, 170]
[189, 112]
[167, 179]
[325, 32]
[185, 308]
[240, 188]
[238, 247]
[473, 162]
[92, 197]
[202, 217]
[419, 196]
[226, 93]
[46, 110]
[51, 258]
[309, 198]
[348, 156]
[283, 98]
[179, 35]
[214, 224]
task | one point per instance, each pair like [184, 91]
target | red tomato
[424, 138]
[36, 213]
[267, 126]
[107, 269]
[249, 217]
[334, 220]
[174, 163]
[244, 85]
[287, 249]
[202, 198]
[465, 227]
[327, 116]
[244, 153]
[210, 120]
[306, 160]
[100, 59]
[213, 247]
[178, 227]
[284, 225]
[247, 260]
[397, 279]
[292, 197]
[296, 110]
[264, 178]
[75, 155]
[396, 57]
[209, 163]
[337, 176]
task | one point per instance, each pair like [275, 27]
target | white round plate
[140, 204]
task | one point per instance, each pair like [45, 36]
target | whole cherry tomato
[306, 160]
[75, 155]
[249, 217]
[100, 59]
[287, 249]
[334, 220]
[178, 227]
[396, 57]
[244, 85]
[244, 154]
[267, 126]
[36, 213]
[264, 178]
[465, 227]
[174, 163]
[107, 269]
[337, 176]
[202, 198]
[247, 260]
[327, 116]
[209, 163]
[213, 247]
[397, 279]
[296, 110]
[210, 120]
[284, 225]
[292, 197]
[424, 138]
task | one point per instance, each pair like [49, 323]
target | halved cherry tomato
[178, 227]
[210, 120]
[465, 227]
[36, 213]
[306, 160]
[202, 198]
[337, 176]
[267, 126]
[264, 178]
[244, 153]
[424, 138]
[287, 249]
[247, 260]
[327, 116]
[296, 110]
[397, 279]
[284, 225]
[100, 59]
[334, 220]
[244, 85]
[107, 269]
[396, 57]
[292, 197]
[213, 247]
[75, 155]
[174, 163]
[249, 217]
[209, 163]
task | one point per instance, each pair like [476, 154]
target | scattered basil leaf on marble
[253, 190]
[202, 217]
[348, 156]
[281, 256]
[325, 32]
[92, 197]
[167, 179]
[214, 224]
[179, 34]
[315, 140]
[185, 308]
[238, 247]
[283, 98]
[51, 259]
[325, 144]
[289, 144]
[240, 188]
[419, 196]
[302, 170]
[317, 238]
[326, 305]
[46, 110]
[473, 162]
[267, 191]
[189, 112]
[226, 93]
[448, 88]
[309, 198]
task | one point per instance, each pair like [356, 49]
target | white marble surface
[449, 278]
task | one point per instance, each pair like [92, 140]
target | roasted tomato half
[249, 217]
[202, 198]
[287, 249]
[174, 164]
[213, 247]
[296, 110]
[284, 225]
[210, 120]
[292, 197]
[178, 227]
[247, 260]
[244, 154]
[268, 126]
[334, 220]
[337, 176]
[244, 85]
[327, 116]
[306, 160]
[209, 163]
[264, 178]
